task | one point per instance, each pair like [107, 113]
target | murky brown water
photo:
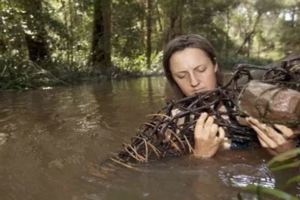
[55, 137]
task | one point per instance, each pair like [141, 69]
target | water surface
[55, 138]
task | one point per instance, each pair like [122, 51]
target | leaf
[270, 191]
[285, 166]
[293, 180]
[284, 156]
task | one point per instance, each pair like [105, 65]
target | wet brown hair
[180, 43]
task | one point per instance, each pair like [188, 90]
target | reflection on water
[50, 139]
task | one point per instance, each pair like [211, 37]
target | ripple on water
[3, 138]
[241, 175]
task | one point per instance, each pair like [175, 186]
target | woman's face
[193, 71]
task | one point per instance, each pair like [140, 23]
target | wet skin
[193, 71]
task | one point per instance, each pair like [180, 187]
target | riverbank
[24, 75]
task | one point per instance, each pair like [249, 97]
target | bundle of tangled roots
[162, 136]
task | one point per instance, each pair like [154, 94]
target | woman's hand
[276, 140]
[207, 142]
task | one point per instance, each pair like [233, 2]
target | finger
[200, 124]
[221, 137]
[287, 132]
[207, 126]
[201, 120]
[250, 120]
[275, 136]
[221, 133]
[209, 122]
[261, 141]
[255, 122]
[213, 130]
[269, 142]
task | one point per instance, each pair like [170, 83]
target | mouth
[199, 90]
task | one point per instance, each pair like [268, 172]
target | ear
[216, 67]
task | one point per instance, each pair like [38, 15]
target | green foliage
[127, 29]
[207, 18]
[18, 75]
[278, 194]
[285, 160]
[11, 35]
[290, 37]
[138, 66]
[251, 31]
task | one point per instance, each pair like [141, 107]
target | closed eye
[200, 68]
[181, 75]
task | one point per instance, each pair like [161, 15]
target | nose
[194, 80]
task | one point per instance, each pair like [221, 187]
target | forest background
[48, 42]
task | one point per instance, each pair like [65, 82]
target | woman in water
[191, 67]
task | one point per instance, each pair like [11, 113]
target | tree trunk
[175, 20]
[149, 31]
[101, 44]
[70, 26]
[3, 47]
[159, 18]
[38, 50]
[226, 49]
[249, 36]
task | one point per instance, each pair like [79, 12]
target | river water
[53, 140]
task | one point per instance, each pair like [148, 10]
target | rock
[270, 103]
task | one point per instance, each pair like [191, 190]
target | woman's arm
[207, 139]
[277, 139]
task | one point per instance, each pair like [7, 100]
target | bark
[3, 47]
[159, 18]
[37, 48]
[101, 44]
[70, 26]
[249, 36]
[174, 20]
[149, 32]
[270, 103]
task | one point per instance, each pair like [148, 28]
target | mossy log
[270, 103]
